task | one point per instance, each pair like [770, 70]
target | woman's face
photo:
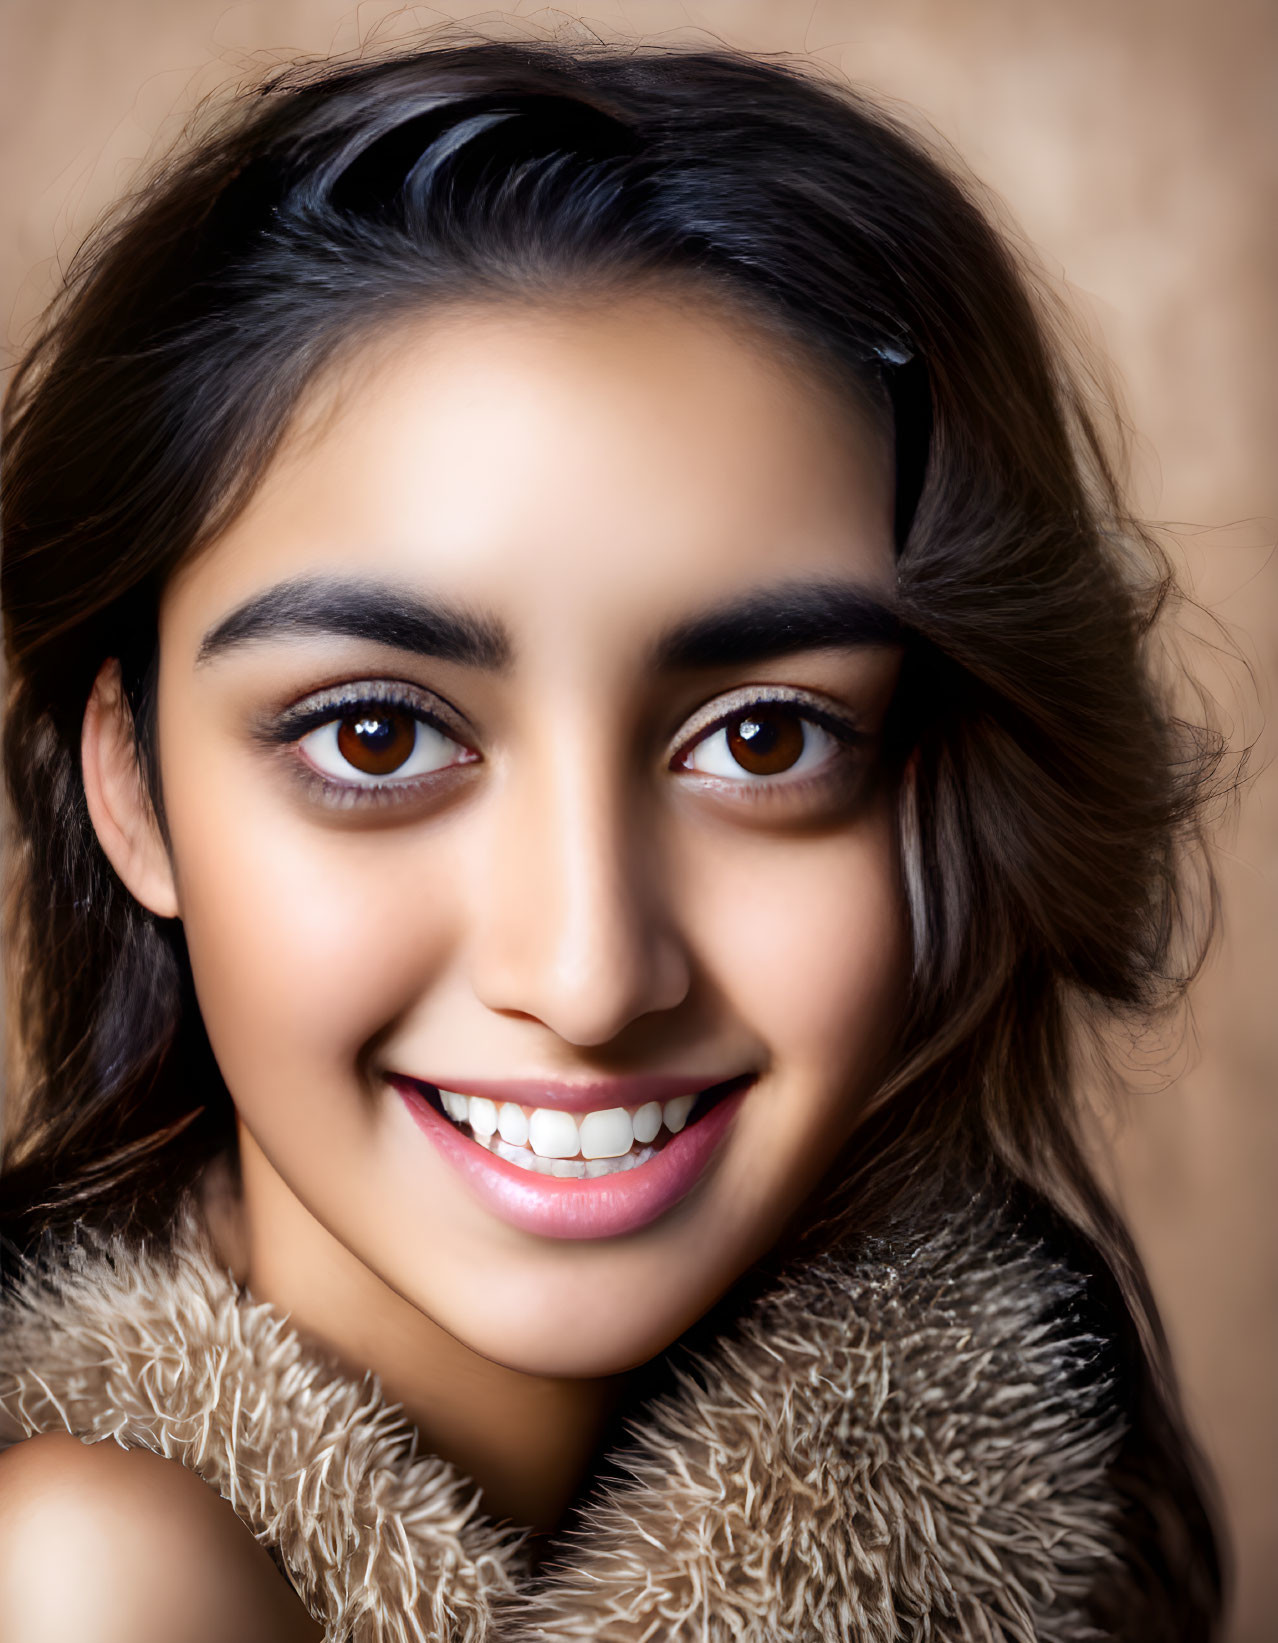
[520, 740]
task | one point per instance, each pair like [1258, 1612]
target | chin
[573, 1326]
[549, 1355]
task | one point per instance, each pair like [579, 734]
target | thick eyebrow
[780, 620]
[360, 609]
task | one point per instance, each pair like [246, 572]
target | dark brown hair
[1048, 794]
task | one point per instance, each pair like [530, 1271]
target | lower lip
[603, 1207]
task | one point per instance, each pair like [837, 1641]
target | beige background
[1134, 142]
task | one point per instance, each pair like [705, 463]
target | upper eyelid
[322, 706]
[714, 713]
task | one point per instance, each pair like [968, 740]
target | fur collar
[908, 1440]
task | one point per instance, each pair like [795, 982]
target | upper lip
[592, 1095]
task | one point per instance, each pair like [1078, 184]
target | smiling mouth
[574, 1145]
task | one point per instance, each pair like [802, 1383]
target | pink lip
[593, 1096]
[604, 1207]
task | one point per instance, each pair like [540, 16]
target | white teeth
[482, 1114]
[607, 1134]
[676, 1112]
[565, 1168]
[646, 1122]
[584, 1144]
[512, 1121]
[553, 1134]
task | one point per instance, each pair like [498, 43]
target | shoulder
[156, 1553]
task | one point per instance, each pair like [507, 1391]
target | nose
[570, 924]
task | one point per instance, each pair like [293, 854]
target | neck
[527, 1441]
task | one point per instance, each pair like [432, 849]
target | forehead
[580, 470]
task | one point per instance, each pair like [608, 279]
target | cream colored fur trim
[910, 1445]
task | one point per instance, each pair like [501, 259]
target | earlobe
[119, 805]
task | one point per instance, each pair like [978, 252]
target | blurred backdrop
[1134, 146]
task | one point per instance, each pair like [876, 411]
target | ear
[119, 806]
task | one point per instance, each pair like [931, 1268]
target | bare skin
[579, 887]
[100, 1544]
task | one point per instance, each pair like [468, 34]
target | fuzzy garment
[910, 1440]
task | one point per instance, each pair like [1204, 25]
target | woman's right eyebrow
[780, 619]
[357, 608]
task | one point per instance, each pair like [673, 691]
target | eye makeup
[781, 746]
[783, 728]
[368, 718]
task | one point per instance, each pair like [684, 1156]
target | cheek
[810, 941]
[305, 941]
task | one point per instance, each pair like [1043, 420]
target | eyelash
[851, 741]
[347, 700]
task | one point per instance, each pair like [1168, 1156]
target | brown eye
[377, 743]
[380, 744]
[767, 741]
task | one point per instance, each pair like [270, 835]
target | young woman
[580, 749]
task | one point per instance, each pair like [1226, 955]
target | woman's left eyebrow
[779, 620]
